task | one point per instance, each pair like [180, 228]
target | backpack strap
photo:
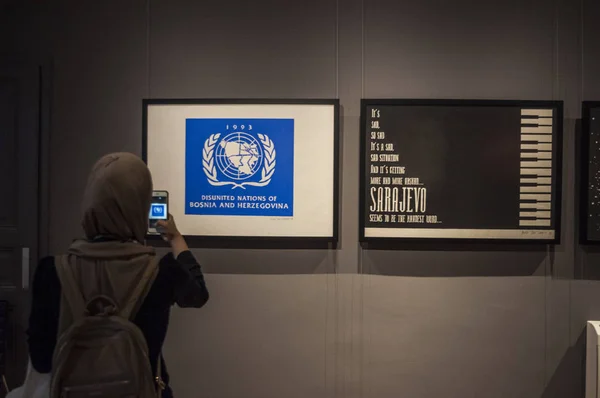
[70, 288]
[141, 290]
[76, 300]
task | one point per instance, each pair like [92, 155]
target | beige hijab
[116, 204]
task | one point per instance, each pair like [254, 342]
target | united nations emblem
[238, 156]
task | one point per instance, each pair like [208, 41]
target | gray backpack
[102, 354]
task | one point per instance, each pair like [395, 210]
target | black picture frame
[256, 242]
[584, 182]
[557, 149]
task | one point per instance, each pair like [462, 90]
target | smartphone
[159, 210]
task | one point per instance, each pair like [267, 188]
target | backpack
[103, 354]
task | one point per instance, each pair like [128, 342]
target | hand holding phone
[168, 229]
[171, 234]
[159, 210]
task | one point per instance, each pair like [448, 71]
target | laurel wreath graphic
[208, 163]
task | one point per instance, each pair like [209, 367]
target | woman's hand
[168, 228]
[170, 233]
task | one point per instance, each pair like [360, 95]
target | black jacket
[179, 281]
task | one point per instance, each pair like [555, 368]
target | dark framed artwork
[247, 172]
[460, 170]
[590, 174]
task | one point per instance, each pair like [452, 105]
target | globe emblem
[238, 156]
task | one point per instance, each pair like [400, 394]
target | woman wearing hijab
[116, 204]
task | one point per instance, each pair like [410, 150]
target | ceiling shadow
[454, 262]
[264, 262]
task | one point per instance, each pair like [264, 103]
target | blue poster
[239, 167]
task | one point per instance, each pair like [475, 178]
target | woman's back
[112, 261]
[179, 281]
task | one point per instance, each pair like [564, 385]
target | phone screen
[158, 209]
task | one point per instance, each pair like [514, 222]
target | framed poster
[460, 170]
[590, 169]
[246, 170]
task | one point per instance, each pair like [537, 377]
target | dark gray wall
[451, 322]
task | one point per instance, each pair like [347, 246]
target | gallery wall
[457, 320]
